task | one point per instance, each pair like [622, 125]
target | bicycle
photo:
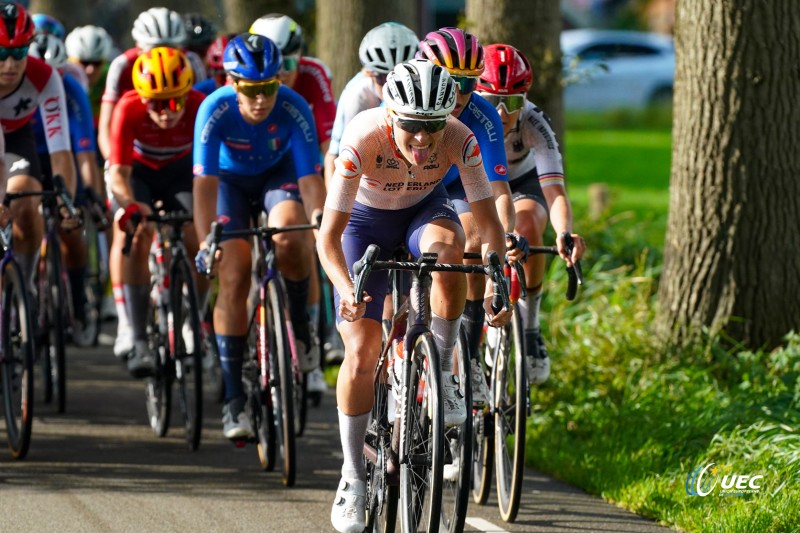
[405, 446]
[271, 372]
[499, 429]
[54, 318]
[173, 325]
[16, 350]
[96, 220]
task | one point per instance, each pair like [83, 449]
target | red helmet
[215, 51]
[507, 71]
[17, 27]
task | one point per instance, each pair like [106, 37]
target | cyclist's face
[290, 70]
[11, 72]
[417, 147]
[255, 109]
[164, 117]
[509, 119]
[93, 69]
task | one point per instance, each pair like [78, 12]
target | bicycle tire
[510, 419]
[423, 432]
[483, 438]
[53, 303]
[93, 282]
[17, 368]
[187, 352]
[458, 447]
[255, 373]
[282, 384]
[158, 388]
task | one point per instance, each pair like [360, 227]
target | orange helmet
[162, 73]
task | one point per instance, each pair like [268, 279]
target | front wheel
[187, 350]
[158, 388]
[52, 305]
[16, 361]
[423, 431]
[282, 378]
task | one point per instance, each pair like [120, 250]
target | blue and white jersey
[79, 116]
[484, 121]
[224, 142]
[358, 95]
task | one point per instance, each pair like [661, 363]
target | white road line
[484, 525]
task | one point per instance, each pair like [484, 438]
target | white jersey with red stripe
[371, 170]
[533, 144]
[41, 87]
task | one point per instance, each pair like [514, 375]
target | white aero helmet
[89, 43]
[159, 26]
[386, 45]
[420, 87]
[49, 49]
[281, 30]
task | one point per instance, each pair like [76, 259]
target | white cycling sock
[352, 430]
[445, 334]
[530, 309]
[122, 309]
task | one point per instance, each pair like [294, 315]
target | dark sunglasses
[17, 53]
[253, 90]
[465, 84]
[412, 125]
[379, 77]
[94, 64]
[509, 102]
[290, 63]
[166, 104]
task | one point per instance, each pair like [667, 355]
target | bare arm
[63, 163]
[89, 172]
[204, 195]
[561, 219]
[104, 129]
[312, 191]
[504, 204]
[120, 184]
[492, 238]
[329, 168]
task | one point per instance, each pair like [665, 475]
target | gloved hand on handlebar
[201, 260]
[517, 248]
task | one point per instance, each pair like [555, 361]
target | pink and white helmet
[454, 49]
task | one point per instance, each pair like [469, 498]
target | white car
[610, 69]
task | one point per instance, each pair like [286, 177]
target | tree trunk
[731, 258]
[534, 27]
[341, 24]
[70, 14]
[240, 14]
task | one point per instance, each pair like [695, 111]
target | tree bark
[534, 27]
[341, 24]
[731, 258]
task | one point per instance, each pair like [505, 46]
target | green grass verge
[622, 418]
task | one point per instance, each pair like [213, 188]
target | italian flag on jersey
[274, 144]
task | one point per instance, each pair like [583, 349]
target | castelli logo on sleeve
[500, 169]
[198, 169]
[272, 128]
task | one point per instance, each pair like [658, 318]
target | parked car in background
[611, 69]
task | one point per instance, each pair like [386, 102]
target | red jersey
[135, 137]
[314, 85]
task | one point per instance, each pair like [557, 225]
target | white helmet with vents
[386, 45]
[49, 49]
[159, 26]
[89, 43]
[420, 87]
[281, 30]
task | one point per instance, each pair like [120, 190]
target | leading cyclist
[387, 190]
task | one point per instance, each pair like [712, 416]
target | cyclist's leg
[136, 279]
[436, 228]
[123, 343]
[230, 312]
[531, 209]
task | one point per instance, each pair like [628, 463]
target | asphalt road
[98, 467]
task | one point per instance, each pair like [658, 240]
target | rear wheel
[188, 358]
[52, 306]
[421, 469]
[16, 361]
[283, 379]
[510, 417]
[483, 434]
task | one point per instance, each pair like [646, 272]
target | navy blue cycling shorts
[389, 229]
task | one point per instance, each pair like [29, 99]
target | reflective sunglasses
[290, 63]
[466, 84]
[18, 53]
[253, 90]
[413, 125]
[509, 102]
[166, 104]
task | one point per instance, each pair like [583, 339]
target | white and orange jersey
[532, 144]
[371, 170]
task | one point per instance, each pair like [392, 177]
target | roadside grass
[625, 419]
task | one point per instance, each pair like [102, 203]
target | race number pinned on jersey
[471, 153]
[348, 164]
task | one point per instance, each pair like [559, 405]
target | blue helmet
[252, 57]
[48, 25]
